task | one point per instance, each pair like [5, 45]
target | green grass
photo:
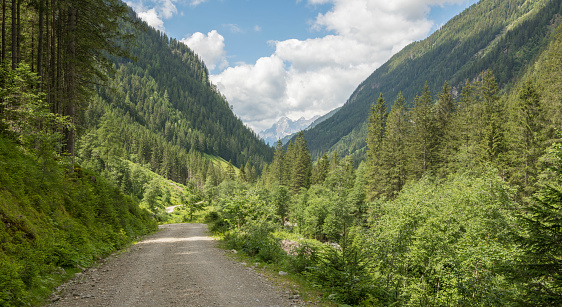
[54, 222]
[182, 215]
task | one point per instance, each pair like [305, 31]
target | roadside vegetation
[55, 222]
[457, 204]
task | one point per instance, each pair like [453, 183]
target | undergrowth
[56, 221]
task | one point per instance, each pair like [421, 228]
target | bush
[255, 238]
[50, 219]
[302, 256]
[345, 271]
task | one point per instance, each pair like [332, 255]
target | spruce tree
[493, 145]
[320, 170]
[230, 171]
[301, 165]
[423, 134]
[394, 154]
[465, 121]
[276, 168]
[445, 130]
[376, 126]
[528, 137]
[541, 266]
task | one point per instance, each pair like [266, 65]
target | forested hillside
[57, 218]
[498, 35]
[161, 111]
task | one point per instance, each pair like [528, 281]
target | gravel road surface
[178, 266]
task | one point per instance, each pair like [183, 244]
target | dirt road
[178, 266]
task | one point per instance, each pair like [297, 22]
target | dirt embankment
[178, 266]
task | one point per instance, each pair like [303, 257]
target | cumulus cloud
[210, 47]
[311, 77]
[159, 11]
[152, 18]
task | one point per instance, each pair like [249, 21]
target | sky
[294, 58]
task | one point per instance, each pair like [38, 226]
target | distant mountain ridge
[504, 36]
[285, 127]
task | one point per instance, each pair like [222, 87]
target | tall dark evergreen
[301, 165]
[276, 168]
[491, 129]
[528, 137]
[395, 155]
[541, 266]
[320, 170]
[375, 137]
[446, 142]
[423, 134]
[465, 122]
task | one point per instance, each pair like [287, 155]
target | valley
[127, 178]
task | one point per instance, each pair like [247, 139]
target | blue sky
[295, 58]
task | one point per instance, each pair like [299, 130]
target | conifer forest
[441, 186]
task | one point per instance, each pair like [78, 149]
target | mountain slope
[503, 36]
[161, 111]
[55, 222]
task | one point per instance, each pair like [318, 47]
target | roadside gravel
[178, 266]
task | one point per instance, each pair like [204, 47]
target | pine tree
[276, 168]
[301, 167]
[423, 134]
[541, 265]
[493, 145]
[465, 121]
[335, 161]
[445, 142]
[242, 174]
[320, 170]
[376, 126]
[230, 171]
[394, 154]
[529, 136]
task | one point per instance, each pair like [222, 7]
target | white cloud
[256, 87]
[168, 8]
[210, 47]
[233, 28]
[152, 19]
[196, 2]
[313, 76]
[155, 16]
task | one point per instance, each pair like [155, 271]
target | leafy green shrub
[444, 243]
[345, 271]
[12, 288]
[51, 218]
[303, 256]
[255, 238]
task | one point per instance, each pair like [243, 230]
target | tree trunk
[32, 48]
[14, 34]
[18, 34]
[70, 81]
[3, 30]
[40, 43]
